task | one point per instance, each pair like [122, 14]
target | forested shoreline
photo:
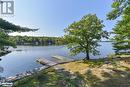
[37, 41]
[6, 28]
[81, 36]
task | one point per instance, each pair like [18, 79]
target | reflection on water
[24, 58]
[1, 69]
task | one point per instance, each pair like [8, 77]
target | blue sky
[53, 16]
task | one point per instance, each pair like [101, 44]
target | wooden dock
[61, 58]
[46, 62]
[55, 61]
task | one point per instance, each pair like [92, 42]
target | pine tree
[121, 10]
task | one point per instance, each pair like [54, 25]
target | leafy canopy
[84, 35]
[5, 41]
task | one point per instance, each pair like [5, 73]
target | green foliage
[5, 41]
[9, 27]
[84, 35]
[5, 28]
[40, 41]
[94, 77]
[51, 78]
[115, 4]
[121, 8]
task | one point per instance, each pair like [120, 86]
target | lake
[23, 58]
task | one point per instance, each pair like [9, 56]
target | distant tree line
[7, 27]
[82, 35]
[37, 41]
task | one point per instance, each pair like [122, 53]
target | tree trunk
[87, 56]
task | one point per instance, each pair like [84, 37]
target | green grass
[62, 78]
[51, 78]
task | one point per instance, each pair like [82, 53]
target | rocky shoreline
[2, 53]
[11, 79]
[106, 63]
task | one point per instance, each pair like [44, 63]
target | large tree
[121, 10]
[84, 35]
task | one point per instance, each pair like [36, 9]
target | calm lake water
[23, 58]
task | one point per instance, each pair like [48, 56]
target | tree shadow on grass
[62, 78]
[52, 78]
[119, 79]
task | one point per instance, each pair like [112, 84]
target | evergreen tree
[121, 10]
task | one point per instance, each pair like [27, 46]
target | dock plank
[45, 61]
[61, 58]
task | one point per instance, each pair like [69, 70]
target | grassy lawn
[51, 78]
[93, 73]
